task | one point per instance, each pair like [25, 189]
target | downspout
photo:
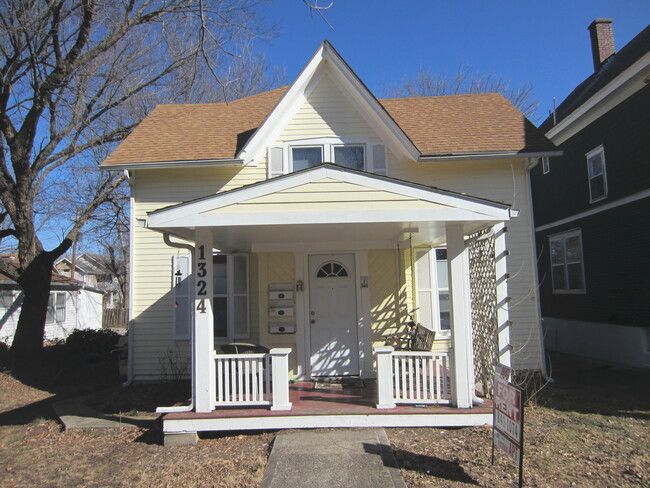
[190, 407]
[131, 323]
[529, 165]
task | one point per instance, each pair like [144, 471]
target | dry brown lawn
[595, 437]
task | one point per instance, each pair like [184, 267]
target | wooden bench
[418, 338]
[421, 338]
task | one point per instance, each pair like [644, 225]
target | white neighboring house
[73, 305]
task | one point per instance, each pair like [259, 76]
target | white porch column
[503, 301]
[461, 317]
[280, 373]
[385, 376]
[204, 375]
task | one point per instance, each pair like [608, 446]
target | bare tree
[78, 75]
[426, 84]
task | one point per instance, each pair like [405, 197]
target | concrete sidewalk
[76, 414]
[330, 459]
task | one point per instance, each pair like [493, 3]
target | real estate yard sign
[508, 419]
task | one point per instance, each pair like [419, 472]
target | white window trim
[434, 291]
[563, 236]
[600, 150]
[55, 308]
[327, 145]
[230, 299]
[546, 165]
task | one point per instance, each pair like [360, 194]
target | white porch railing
[253, 379]
[412, 377]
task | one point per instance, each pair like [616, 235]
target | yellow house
[310, 220]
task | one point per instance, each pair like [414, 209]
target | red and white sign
[508, 415]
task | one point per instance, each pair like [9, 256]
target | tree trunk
[35, 282]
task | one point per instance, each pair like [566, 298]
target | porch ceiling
[331, 236]
[331, 208]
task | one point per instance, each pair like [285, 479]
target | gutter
[131, 322]
[530, 164]
[172, 164]
[190, 407]
[495, 155]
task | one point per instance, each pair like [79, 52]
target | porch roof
[328, 206]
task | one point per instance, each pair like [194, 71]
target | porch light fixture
[299, 285]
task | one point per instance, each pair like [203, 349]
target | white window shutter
[379, 163]
[181, 289]
[275, 159]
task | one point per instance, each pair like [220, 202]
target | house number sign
[201, 282]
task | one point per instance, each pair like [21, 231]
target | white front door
[333, 315]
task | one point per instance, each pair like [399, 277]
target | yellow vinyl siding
[327, 195]
[276, 268]
[502, 181]
[152, 259]
[327, 113]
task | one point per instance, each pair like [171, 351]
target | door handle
[313, 321]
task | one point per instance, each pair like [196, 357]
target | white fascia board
[374, 113]
[328, 60]
[620, 88]
[438, 214]
[487, 155]
[183, 212]
[288, 105]
[173, 164]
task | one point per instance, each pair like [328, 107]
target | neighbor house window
[546, 164]
[56, 307]
[597, 174]
[231, 296]
[6, 299]
[432, 285]
[567, 268]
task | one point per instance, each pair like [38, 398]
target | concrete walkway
[330, 459]
[76, 414]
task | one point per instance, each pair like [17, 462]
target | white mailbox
[282, 328]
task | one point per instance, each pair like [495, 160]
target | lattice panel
[484, 313]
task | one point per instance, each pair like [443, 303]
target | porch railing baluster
[246, 379]
[412, 377]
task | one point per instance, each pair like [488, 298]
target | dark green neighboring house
[592, 209]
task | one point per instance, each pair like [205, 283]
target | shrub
[90, 342]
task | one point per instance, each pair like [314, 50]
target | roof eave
[488, 155]
[172, 164]
[623, 86]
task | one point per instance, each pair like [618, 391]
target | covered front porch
[315, 406]
[332, 222]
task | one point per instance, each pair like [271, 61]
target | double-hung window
[56, 308]
[567, 269]
[230, 301]
[308, 156]
[231, 297]
[432, 286]
[597, 174]
[302, 154]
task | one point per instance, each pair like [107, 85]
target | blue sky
[544, 42]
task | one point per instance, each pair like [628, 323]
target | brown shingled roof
[481, 123]
[195, 132]
[476, 123]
